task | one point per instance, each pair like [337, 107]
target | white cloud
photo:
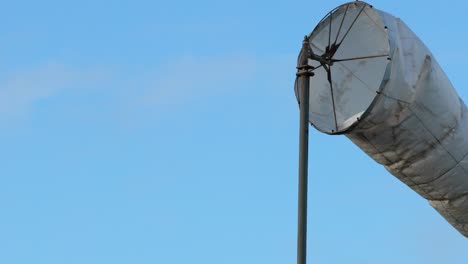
[193, 77]
[129, 92]
[20, 91]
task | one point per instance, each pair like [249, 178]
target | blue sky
[166, 132]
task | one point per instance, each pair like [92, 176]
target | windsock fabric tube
[378, 84]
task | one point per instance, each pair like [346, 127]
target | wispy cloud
[21, 91]
[190, 78]
[130, 92]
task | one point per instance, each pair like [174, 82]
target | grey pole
[303, 74]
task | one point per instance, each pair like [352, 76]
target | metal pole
[304, 74]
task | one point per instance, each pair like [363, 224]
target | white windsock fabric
[379, 85]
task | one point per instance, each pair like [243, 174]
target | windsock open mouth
[352, 53]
